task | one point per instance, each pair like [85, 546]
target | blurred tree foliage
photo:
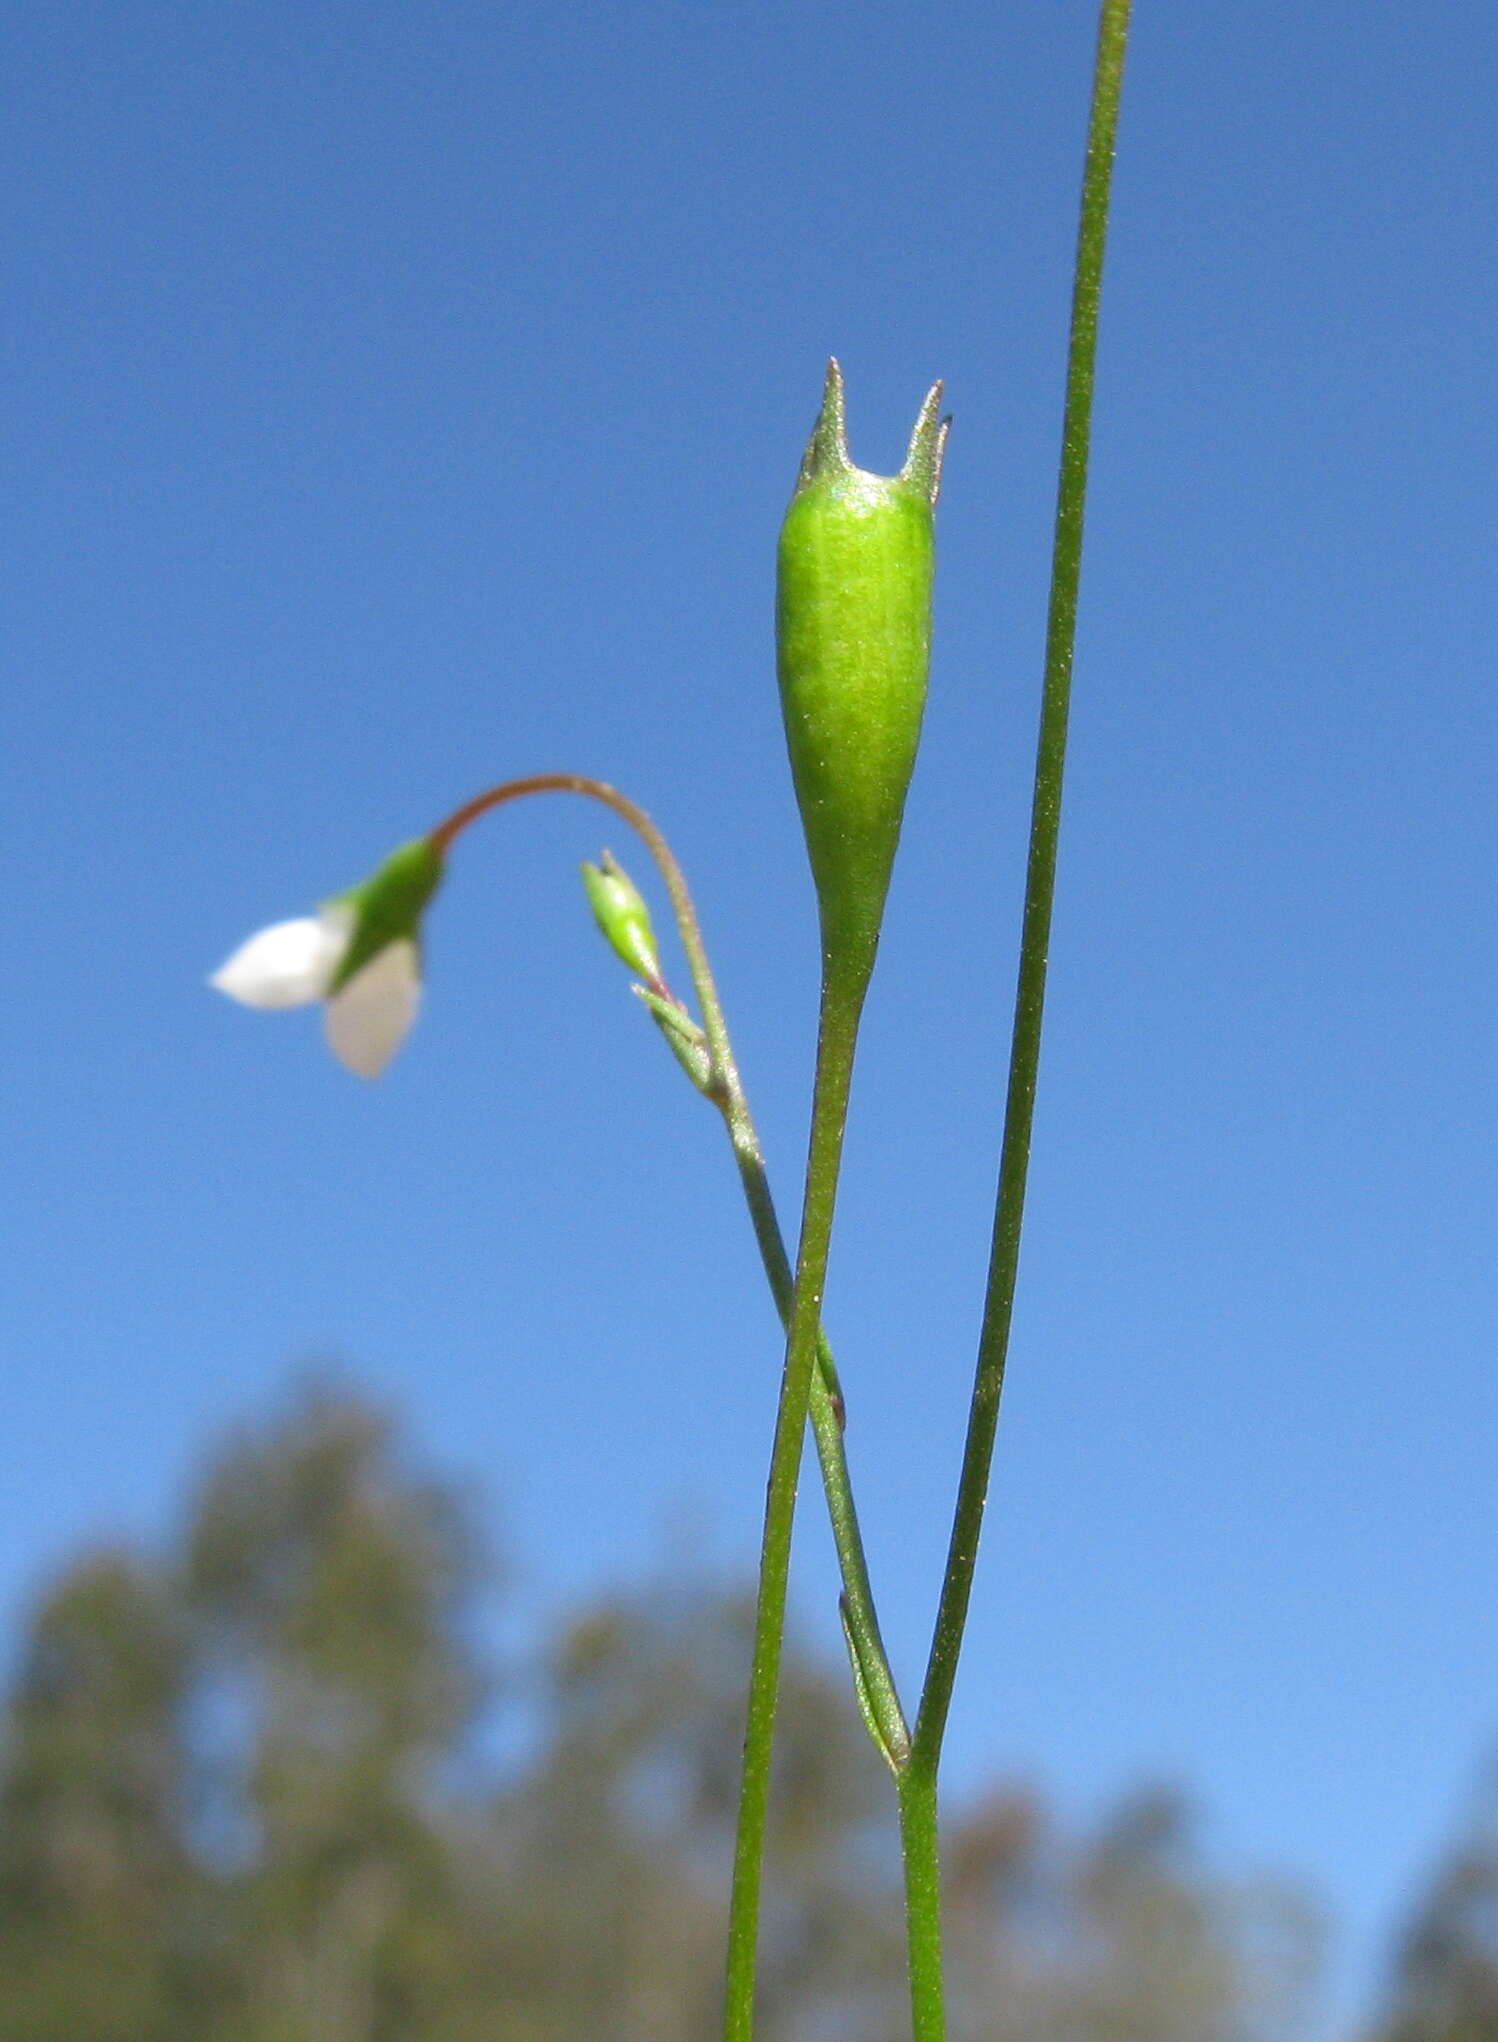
[1445, 1984]
[241, 1800]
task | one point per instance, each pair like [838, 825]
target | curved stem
[837, 1035]
[1040, 886]
[827, 1411]
[441, 840]
[802, 1382]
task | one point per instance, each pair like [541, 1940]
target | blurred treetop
[241, 1801]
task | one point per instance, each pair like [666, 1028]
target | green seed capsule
[853, 630]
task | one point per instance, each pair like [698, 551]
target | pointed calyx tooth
[928, 446]
[827, 449]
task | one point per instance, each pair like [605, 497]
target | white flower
[368, 1019]
[291, 964]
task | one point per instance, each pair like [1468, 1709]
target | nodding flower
[360, 954]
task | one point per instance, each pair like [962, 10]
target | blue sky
[402, 398]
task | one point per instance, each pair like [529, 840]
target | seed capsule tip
[928, 445]
[827, 449]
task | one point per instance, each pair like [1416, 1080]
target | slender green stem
[1040, 889]
[826, 1402]
[918, 1779]
[920, 1853]
[835, 1045]
[871, 1662]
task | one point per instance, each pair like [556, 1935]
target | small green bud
[388, 906]
[687, 1042]
[622, 915]
[853, 635]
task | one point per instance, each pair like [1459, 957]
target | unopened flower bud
[623, 917]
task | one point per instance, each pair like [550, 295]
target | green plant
[854, 636]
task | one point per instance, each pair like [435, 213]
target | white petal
[287, 965]
[368, 1019]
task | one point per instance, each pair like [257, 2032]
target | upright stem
[1040, 887]
[841, 1007]
[921, 1859]
[871, 1662]
[918, 1779]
